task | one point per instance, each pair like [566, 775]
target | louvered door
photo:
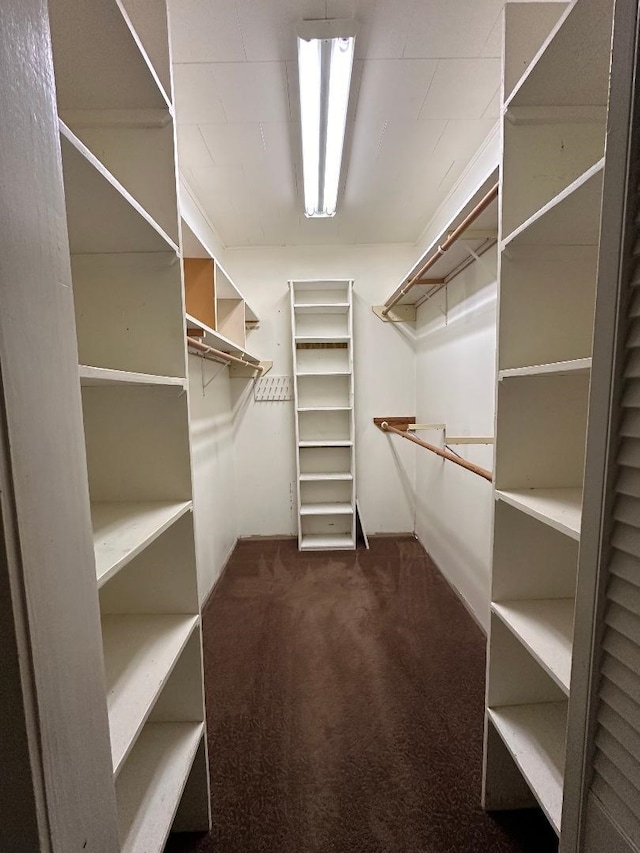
[602, 793]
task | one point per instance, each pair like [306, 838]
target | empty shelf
[545, 627]
[326, 541]
[121, 530]
[557, 368]
[102, 215]
[90, 376]
[321, 307]
[218, 341]
[344, 372]
[326, 509]
[318, 478]
[150, 786]
[559, 508]
[572, 218]
[535, 737]
[322, 339]
[326, 443]
[324, 408]
[140, 652]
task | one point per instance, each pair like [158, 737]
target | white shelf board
[326, 443]
[323, 339]
[341, 508]
[217, 341]
[577, 52]
[557, 368]
[572, 218]
[535, 736]
[103, 217]
[324, 408]
[151, 783]
[121, 530]
[98, 60]
[96, 376]
[545, 628]
[321, 308]
[319, 478]
[326, 541]
[559, 508]
[140, 652]
[345, 372]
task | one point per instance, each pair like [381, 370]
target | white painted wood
[139, 157]
[324, 417]
[326, 542]
[218, 341]
[313, 478]
[113, 295]
[55, 747]
[530, 559]
[326, 509]
[571, 218]
[97, 376]
[535, 736]
[152, 781]
[121, 530]
[545, 627]
[102, 215]
[551, 290]
[586, 24]
[526, 26]
[128, 430]
[98, 62]
[559, 508]
[540, 441]
[139, 654]
[182, 698]
[559, 368]
[147, 20]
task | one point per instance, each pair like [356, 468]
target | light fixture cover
[325, 60]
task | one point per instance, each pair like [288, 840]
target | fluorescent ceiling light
[325, 60]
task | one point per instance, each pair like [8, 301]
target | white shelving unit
[216, 311]
[322, 338]
[553, 135]
[113, 78]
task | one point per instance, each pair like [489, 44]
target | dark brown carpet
[345, 707]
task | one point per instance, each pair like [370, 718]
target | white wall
[384, 385]
[214, 482]
[456, 342]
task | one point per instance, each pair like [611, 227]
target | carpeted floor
[345, 709]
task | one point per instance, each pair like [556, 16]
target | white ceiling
[424, 97]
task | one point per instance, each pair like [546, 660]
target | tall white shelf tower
[322, 339]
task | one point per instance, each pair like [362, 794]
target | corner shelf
[545, 628]
[140, 652]
[218, 341]
[150, 786]
[559, 508]
[534, 734]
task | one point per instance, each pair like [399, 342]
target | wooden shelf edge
[529, 502]
[105, 376]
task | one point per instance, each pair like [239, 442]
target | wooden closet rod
[218, 355]
[445, 454]
[471, 217]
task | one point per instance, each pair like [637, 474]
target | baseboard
[455, 590]
[207, 597]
